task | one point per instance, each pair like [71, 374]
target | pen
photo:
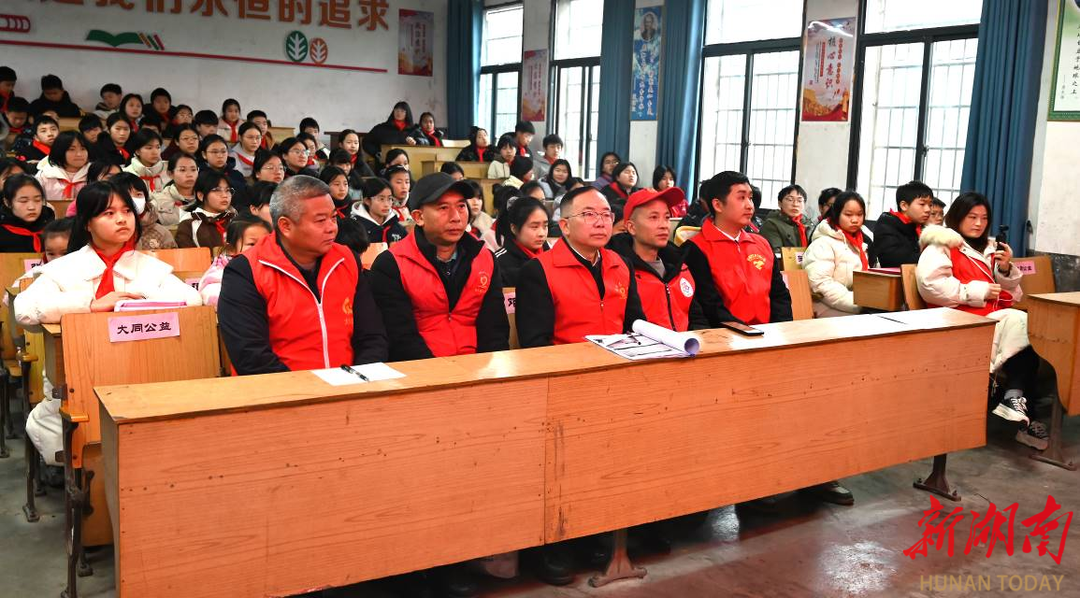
[358, 374]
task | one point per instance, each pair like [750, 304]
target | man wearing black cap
[439, 289]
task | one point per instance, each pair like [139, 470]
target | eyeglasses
[269, 168]
[795, 201]
[225, 190]
[298, 151]
[590, 217]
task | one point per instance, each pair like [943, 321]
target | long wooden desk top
[1054, 332]
[132, 403]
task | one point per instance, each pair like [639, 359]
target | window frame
[928, 37]
[750, 49]
[555, 67]
[496, 70]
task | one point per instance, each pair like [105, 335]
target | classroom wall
[337, 98]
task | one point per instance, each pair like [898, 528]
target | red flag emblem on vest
[757, 260]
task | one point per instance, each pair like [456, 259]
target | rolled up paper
[682, 341]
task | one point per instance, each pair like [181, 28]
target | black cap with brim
[433, 186]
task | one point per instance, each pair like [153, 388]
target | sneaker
[1034, 435]
[1013, 409]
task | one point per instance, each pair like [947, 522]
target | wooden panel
[472, 170]
[488, 185]
[910, 285]
[661, 444]
[281, 133]
[35, 345]
[91, 360]
[1054, 332]
[68, 123]
[60, 207]
[97, 525]
[184, 259]
[12, 266]
[459, 144]
[1038, 282]
[418, 154]
[802, 302]
[276, 502]
[878, 291]
[792, 257]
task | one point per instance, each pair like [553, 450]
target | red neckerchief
[134, 126]
[123, 152]
[241, 157]
[523, 151]
[619, 190]
[551, 161]
[265, 143]
[904, 218]
[353, 157]
[434, 140]
[165, 117]
[341, 210]
[69, 188]
[25, 232]
[857, 241]
[528, 252]
[233, 137]
[18, 130]
[398, 124]
[802, 230]
[107, 285]
[475, 232]
[41, 147]
[150, 182]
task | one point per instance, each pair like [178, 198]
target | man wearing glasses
[579, 287]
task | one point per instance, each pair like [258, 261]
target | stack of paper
[649, 341]
[374, 372]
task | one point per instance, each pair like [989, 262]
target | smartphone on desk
[742, 329]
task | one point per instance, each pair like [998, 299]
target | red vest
[306, 333]
[445, 332]
[666, 304]
[742, 272]
[966, 269]
[579, 310]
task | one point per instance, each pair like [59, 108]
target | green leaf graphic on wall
[150, 40]
[296, 46]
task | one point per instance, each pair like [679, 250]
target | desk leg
[5, 418]
[937, 483]
[30, 509]
[75, 500]
[619, 567]
[1053, 453]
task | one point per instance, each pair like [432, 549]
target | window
[500, 70]
[913, 99]
[576, 82]
[750, 92]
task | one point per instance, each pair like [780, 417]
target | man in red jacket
[439, 289]
[664, 282]
[739, 280]
[297, 300]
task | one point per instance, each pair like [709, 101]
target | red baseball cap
[672, 196]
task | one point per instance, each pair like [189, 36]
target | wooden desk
[279, 483]
[472, 170]
[418, 154]
[1054, 332]
[878, 290]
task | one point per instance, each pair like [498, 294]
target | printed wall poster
[1065, 103]
[534, 85]
[645, 83]
[416, 32]
[829, 61]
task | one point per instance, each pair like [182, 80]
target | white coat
[54, 180]
[938, 286]
[154, 176]
[830, 262]
[67, 285]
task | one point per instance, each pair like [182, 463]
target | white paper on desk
[649, 341]
[141, 304]
[374, 372]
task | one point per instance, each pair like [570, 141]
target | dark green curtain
[1004, 110]
[616, 54]
[680, 80]
[464, 34]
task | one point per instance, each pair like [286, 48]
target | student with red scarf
[838, 251]
[243, 153]
[23, 215]
[229, 125]
[111, 145]
[101, 267]
[161, 102]
[349, 142]
[398, 129]
[896, 236]
[45, 131]
[623, 184]
[789, 226]
[211, 213]
[7, 87]
[429, 135]
[522, 232]
[338, 181]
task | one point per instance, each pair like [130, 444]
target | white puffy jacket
[67, 285]
[54, 180]
[830, 262]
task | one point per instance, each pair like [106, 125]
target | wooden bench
[878, 290]
[187, 259]
[418, 154]
[1038, 278]
[279, 471]
[802, 301]
[79, 356]
[472, 170]
[1054, 332]
[12, 266]
[791, 258]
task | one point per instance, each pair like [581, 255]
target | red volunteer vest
[966, 269]
[666, 304]
[579, 310]
[307, 334]
[742, 272]
[445, 332]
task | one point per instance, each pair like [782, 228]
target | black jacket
[536, 308]
[713, 303]
[492, 325]
[473, 154]
[613, 197]
[106, 151]
[65, 108]
[673, 259]
[388, 232]
[245, 328]
[423, 138]
[385, 133]
[511, 258]
[11, 242]
[236, 180]
[895, 243]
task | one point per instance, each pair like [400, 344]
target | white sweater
[67, 285]
[830, 262]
